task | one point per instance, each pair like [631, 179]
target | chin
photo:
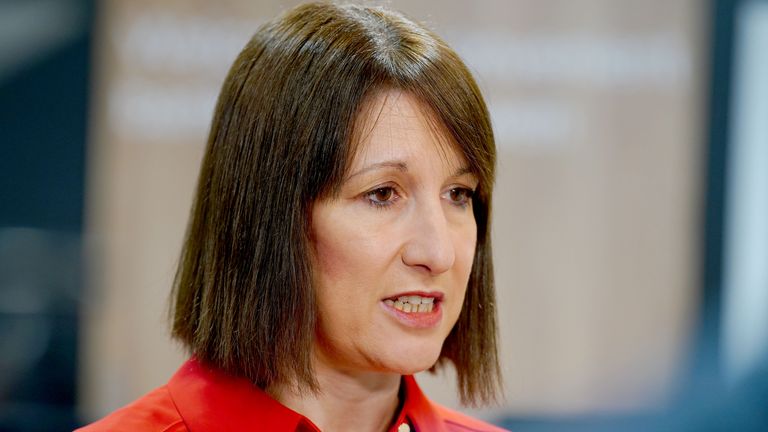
[411, 360]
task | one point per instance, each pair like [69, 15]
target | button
[404, 428]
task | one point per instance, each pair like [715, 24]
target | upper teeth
[412, 303]
[415, 299]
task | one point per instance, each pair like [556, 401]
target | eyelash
[369, 196]
[466, 200]
[383, 205]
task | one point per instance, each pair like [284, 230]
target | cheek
[343, 257]
[465, 257]
[330, 261]
[465, 249]
[349, 261]
[350, 248]
[330, 274]
[331, 244]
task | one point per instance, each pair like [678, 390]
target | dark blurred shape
[43, 100]
[743, 408]
[40, 280]
[44, 68]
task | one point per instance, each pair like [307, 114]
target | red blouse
[200, 399]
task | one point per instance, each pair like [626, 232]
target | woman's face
[394, 250]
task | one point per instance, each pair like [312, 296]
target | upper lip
[437, 295]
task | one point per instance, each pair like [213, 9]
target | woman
[339, 241]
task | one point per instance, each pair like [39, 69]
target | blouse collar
[211, 400]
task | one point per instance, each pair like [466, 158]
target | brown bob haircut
[281, 138]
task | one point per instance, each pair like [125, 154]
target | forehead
[396, 125]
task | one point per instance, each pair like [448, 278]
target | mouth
[416, 309]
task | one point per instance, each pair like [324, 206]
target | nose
[429, 245]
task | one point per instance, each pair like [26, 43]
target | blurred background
[630, 218]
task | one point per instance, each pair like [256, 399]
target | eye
[383, 196]
[460, 196]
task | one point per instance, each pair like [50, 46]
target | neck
[359, 401]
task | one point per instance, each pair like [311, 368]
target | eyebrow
[402, 167]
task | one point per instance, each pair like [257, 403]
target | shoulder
[458, 422]
[153, 412]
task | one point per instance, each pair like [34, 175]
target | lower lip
[416, 319]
